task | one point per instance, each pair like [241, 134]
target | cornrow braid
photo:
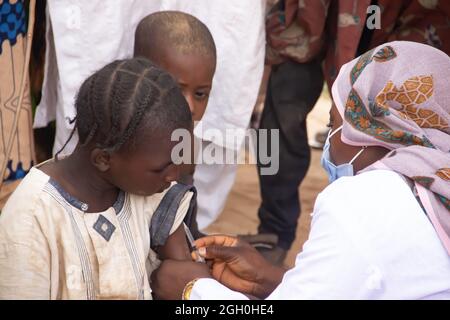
[140, 107]
[90, 102]
[112, 104]
[114, 91]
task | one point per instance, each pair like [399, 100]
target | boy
[183, 46]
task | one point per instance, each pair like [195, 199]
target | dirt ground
[240, 213]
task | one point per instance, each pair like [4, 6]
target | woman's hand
[239, 266]
[169, 280]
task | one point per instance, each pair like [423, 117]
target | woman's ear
[100, 159]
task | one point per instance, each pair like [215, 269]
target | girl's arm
[176, 247]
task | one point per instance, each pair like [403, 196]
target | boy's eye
[201, 95]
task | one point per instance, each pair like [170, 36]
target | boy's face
[194, 74]
[147, 169]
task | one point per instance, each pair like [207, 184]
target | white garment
[89, 34]
[213, 183]
[369, 239]
[85, 35]
[238, 29]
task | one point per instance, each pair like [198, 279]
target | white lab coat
[369, 239]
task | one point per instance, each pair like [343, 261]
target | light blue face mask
[335, 172]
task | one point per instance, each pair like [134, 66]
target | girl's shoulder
[28, 195]
[155, 199]
[22, 216]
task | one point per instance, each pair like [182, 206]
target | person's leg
[293, 90]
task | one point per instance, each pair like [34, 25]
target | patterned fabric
[295, 30]
[13, 44]
[304, 29]
[12, 22]
[396, 96]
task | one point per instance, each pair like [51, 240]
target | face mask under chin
[336, 171]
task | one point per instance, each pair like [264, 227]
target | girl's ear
[100, 159]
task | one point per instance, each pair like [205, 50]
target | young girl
[78, 227]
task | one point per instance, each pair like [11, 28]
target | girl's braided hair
[124, 96]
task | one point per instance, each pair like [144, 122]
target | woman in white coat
[381, 229]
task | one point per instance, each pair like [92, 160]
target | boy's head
[182, 45]
[126, 113]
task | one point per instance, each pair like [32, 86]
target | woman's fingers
[216, 240]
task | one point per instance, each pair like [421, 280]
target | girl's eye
[161, 169]
[158, 170]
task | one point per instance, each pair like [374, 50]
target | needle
[192, 243]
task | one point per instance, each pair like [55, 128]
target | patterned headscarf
[398, 96]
